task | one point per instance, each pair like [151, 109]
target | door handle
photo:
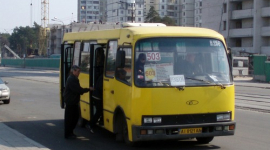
[112, 91]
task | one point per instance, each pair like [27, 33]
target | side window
[77, 53]
[85, 58]
[124, 74]
[110, 58]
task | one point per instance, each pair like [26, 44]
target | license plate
[190, 131]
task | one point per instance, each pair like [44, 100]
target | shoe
[89, 128]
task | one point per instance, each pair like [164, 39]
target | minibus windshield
[181, 62]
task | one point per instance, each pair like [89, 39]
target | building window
[139, 19]
[238, 24]
[184, 13]
[162, 7]
[139, 12]
[225, 8]
[83, 7]
[121, 18]
[238, 43]
[224, 25]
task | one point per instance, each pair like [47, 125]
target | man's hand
[91, 89]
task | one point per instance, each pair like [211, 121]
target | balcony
[266, 12]
[242, 14]
[240, 33]
[265, 50]
[265, 31]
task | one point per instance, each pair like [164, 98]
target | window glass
[125, 74]
[193, 61]
[111, 56]
[85, 57]
[77, 53]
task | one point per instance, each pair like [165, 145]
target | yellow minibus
[177, 82]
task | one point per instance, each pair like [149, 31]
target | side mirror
[120, 59]
[6, 82]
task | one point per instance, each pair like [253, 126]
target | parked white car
[4, 92]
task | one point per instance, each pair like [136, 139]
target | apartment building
[170, 8]
[198, 13]
[244, 23]
[125, 11]
[89, 10]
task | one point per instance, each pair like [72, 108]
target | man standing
[72, 94]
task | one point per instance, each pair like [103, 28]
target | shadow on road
[50, 133]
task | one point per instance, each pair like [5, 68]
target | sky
[16, 13]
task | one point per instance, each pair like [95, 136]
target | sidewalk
[249, 82]
[13, 140]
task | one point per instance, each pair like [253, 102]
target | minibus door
[92, 74]
[66, 62]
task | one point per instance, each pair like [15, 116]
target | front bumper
[4, 95]
[171, 132]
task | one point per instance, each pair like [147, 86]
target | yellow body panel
[171, 101]
[84, 103]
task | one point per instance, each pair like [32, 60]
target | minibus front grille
[183, 119]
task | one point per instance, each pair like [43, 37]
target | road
[35, 112]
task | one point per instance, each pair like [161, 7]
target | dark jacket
[73, 91]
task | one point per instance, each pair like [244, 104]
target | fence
[32, 62]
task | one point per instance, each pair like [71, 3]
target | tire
[125, 134]
[204, 140]
[6, 101]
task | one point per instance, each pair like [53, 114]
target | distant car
[4, 92]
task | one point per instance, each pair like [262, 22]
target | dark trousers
[98, 114]
[71, 118]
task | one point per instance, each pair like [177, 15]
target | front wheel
[204, 140]
[125, 135]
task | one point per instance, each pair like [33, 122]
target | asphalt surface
[12, 140]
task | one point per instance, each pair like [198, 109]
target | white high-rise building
[125, 11]
[89, 10]
[244, 23]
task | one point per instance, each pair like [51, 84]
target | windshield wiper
[209, 82]
[180, 88]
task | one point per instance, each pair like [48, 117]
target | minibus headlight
[147, 120]
[223, 117]
[157, 120]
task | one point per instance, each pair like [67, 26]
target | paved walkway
[13, 140]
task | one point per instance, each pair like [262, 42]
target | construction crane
[43, 30]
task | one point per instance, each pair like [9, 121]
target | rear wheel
[204, 140]
[6, 101]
